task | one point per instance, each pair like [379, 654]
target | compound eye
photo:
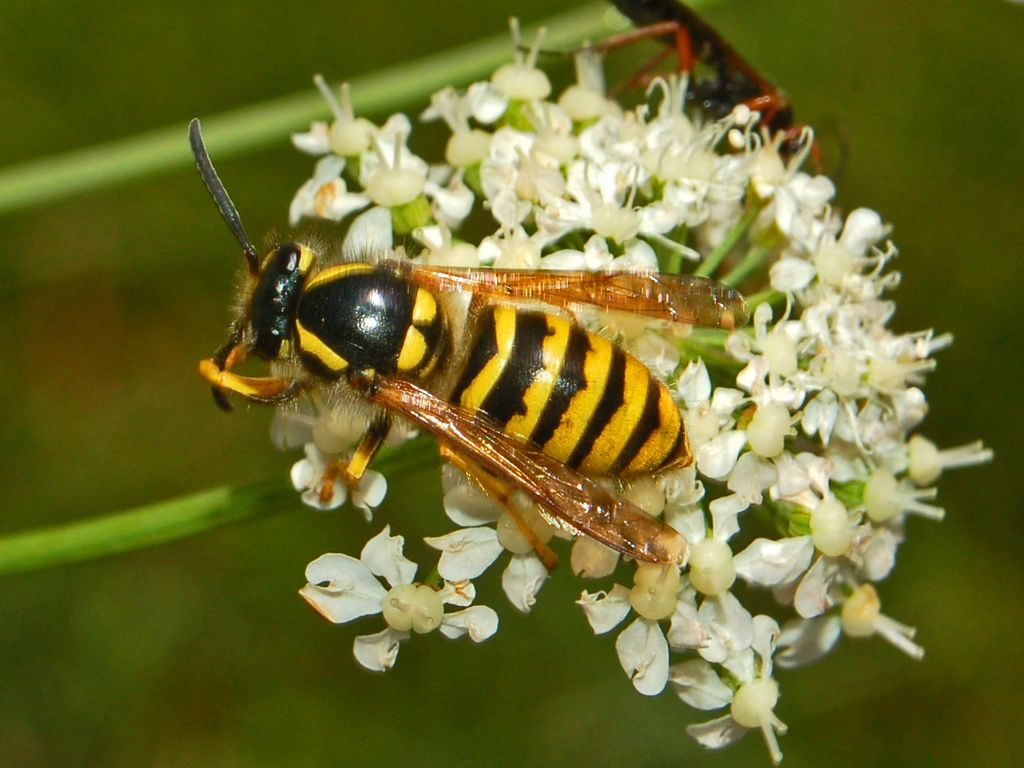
[284, 260]
[274, 299]
[288, 257]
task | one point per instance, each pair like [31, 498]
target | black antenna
[220, 195]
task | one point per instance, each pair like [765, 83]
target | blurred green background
[200, 652]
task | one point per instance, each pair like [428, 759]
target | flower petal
[643, 654]
[383, 556]
[467, 505]
[458, 593]
[767, 562]
[479, 622]
[696, 683]
[686, 629]
[717, 457]
[812, 596]
[378, 652]
[717, 733]
[342, 588]
[729, 625]
[605, 610]
[806, 640]
[370, 492]
[369, 233]
[591, 559]
[465, 553]
[522, 580]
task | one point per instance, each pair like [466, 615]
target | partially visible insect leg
[501, 492]
[368, 446]
[642, 77]
[352, 472]
[683, 44]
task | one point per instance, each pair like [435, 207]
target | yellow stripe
[655, 451]
[505, 333]
[311, 344]
[615, 434]
[537, 394]
[581, 408]
[424, 311]
[333, 273]
[306, 256]
[414, 348]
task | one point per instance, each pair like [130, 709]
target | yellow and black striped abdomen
[580, 398]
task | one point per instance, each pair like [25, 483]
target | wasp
[731, 81]
[518, 394]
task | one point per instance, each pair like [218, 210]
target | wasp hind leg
[501, 491]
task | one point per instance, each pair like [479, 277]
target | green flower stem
[170, 520]
[672, 261]
[770, 296]
[262, 125]
[751, 261]
[708, 344]
[713, 261]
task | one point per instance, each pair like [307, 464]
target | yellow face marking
[285, 349]
[333, 273]
[312, 345]
[538, 393]
[306, 257]
[609, 443]
[425, 309]
[505, 333]
[574, 421]
[414, 349]
[655, 451]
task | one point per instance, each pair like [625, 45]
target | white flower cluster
[801, 425]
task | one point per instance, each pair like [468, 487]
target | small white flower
[320, 479]
[862, 617]
[752, 703]
[326, 195]
[342, 588]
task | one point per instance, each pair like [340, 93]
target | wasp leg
[352, 472]
[368, 446]
[501, 492]
[262, 389]
[684, 47]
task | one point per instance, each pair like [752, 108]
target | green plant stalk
[750, 261]
[262, 125]
[165, 521]
[713, 261]
[770, 296]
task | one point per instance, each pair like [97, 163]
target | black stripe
[611, 400]
[672, 454]
[485, 346]
[650, 420]
[570, 380]
[525, 361]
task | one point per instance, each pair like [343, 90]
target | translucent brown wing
[677, 298]
[573, 499]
